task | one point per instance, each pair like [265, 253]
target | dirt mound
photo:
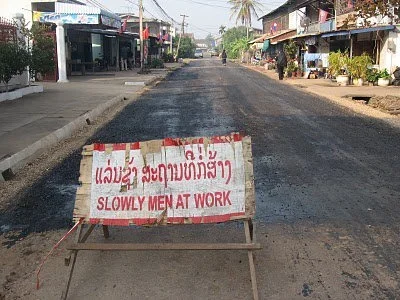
[391, 104]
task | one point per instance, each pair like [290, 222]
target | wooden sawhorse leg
[248, 230]
[74, 253]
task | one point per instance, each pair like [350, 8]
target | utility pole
[170, 34]
[141, 33]
[183, 24]
[180, 36]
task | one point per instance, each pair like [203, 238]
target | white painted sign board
[170, 181]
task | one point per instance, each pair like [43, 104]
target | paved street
[327, 188]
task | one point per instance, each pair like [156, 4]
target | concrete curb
[21, 92]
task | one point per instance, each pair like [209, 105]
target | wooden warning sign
[170, 181]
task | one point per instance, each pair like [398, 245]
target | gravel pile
[391, 104]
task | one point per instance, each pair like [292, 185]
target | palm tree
[222, 29]
[243, 10]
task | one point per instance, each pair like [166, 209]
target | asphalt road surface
[327, 195]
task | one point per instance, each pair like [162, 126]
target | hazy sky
[205, 16]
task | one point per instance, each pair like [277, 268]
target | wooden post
[71, 266]
[74, 254]
[249, 239]
[106, 232]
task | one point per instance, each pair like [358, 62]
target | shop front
[87, 37]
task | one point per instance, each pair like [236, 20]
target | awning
[335, 33]
[283, 36]
[305, 35]
[371, 29]
[78, 14]
[259, 39]
[111, 32]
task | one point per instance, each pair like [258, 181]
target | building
[160, 34]
[86, 37]
[319, 27]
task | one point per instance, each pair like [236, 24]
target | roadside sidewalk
[38, 121]
[344, 96]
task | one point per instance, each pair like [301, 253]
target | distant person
[281, 63]
[124, 58]
[131, 59]
[223, 56]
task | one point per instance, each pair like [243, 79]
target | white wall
[389, 59]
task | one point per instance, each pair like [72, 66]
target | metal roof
[335, 33]
[288, 2]
[268, 36]
[371, 29]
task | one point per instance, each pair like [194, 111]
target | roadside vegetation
[31, 48]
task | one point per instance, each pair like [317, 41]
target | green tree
[14, 59]
[238, 47]
[186, 47]
[243, 10]
[222, 29]
[291, 49]
[42, 50]
[235, 41]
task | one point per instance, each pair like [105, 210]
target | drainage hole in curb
[364, 99]
[8, 174]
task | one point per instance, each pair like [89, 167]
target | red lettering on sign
[226, 197]
[179, 202]
[212, 199]
[199, 200]
[115, 203]
[106, 206]
[100, 203]
[141, 200]
[218, 198]
[152, 203]
[186, 196]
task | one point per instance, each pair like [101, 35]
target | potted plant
[291, 49]
[338, 66]
[372, 76]
[294, 72]
[291, 69]
[358, 66]
[299, 73]
[384, 78]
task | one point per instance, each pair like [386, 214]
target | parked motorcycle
[396, 75]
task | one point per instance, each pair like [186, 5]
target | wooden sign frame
[83, 216]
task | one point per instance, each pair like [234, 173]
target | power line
[131, 2]
[198, 28]
[99, 5]
[164, 12]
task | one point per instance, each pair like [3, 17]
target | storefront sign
[110, 22]
[196, 180]
[49, 17]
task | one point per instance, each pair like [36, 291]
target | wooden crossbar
[164, 246]
[81, 245]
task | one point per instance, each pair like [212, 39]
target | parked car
[214, 52]
[198, 53]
